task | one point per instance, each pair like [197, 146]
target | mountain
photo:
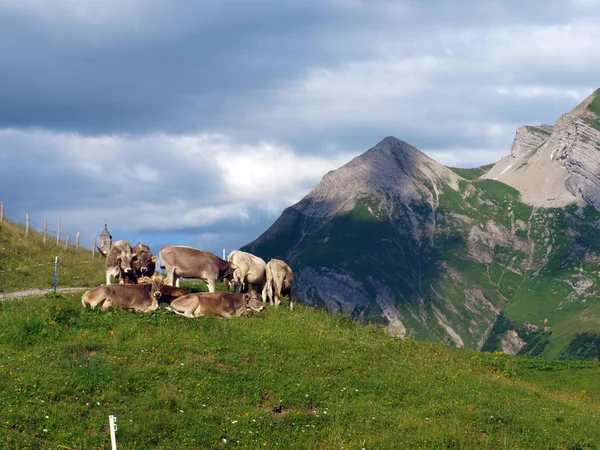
[494, 258]
[560, 165]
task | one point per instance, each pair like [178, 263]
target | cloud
[154, 183]
[201, 120]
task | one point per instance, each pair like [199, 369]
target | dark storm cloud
[187, 66]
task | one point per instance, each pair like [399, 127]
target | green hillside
[279, 379]
[25, 262]
[455, 265]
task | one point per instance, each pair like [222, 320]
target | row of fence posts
[45, 233]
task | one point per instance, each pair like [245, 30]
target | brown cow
[224, 304]
[279, 281]
[119, 261]
[135, 297]
[144, 262]
[170, 293]
[187, 262]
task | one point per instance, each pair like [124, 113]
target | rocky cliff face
[396, 238]
[528, 139]
[554, 167]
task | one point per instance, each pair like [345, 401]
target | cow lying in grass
[134, 297]
[170, 293]
[224, 304]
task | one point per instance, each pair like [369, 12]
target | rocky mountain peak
[392, 170]
[557, 166]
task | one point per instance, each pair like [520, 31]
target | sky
[198, 122]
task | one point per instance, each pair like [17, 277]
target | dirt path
[38, 292]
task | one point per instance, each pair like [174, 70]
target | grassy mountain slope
[26, 263]
[301, 379]
[449, 268]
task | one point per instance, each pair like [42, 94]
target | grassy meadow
[25, 262]
[278, 379]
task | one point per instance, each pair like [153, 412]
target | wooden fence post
[1, 211]
[67, 242]
[26, 224]
[94, 248]
[58, 233]
[77, 241]
[45, 230]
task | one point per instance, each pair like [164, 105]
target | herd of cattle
[141, 288]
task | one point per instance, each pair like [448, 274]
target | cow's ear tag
[154, 259]
[167, 282]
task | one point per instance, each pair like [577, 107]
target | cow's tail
[100, 251]
[161, 261]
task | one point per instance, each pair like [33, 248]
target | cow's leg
[291, 301]
[106, 303]
[211, 284]
[237, 283]
[107, 277]
[277, 292]
[264, 293]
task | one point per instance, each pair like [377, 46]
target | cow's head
[228, 275]
[157, 282]
[145, 263]
[124, 260]
[253, 301]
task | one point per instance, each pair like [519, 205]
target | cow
[134, 297]
[186, 262]
[170, 293]
[250, 272]
[119, 261]
[279, 281]
[225, 304]
[144, 262]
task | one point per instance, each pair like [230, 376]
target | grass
[471, 173]
[279, 379]
[25, 262]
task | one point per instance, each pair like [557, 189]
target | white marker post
[113, 428]
[55, 271]
[223, 253]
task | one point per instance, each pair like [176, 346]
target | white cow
[251, 271]
[280, 280]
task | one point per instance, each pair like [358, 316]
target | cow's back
[189, 262]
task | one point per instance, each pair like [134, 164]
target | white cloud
[169, 181]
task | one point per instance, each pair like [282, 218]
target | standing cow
[119, 261]
[279, 281]
[144, 262]
[187, 262]
[251, 272]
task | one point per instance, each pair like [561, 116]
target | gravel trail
[38, 292]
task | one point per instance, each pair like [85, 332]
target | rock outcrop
[557, 169]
